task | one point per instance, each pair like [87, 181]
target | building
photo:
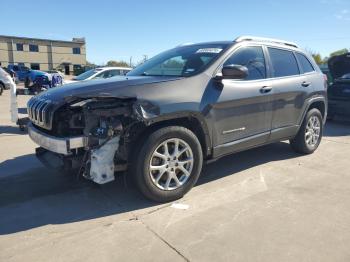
[43, 54]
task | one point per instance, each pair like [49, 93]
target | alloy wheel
[171, 164]
[312, 132]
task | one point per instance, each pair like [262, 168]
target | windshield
[86, 74]
[181, 61]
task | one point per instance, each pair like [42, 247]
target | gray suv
[190, 104]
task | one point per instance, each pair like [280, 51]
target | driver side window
[251, 57]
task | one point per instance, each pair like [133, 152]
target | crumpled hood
[121, 87]
[339, 65]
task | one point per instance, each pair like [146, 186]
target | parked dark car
[184, 106]
[339, 90]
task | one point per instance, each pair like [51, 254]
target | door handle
[265, 89]
[305, 84]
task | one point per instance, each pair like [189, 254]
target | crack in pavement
[163, 240]
[138, 218]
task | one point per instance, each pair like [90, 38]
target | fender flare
[189, 115]
[309, 103]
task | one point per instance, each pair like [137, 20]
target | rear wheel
[2, 87]
[310, 133]
[168, 164]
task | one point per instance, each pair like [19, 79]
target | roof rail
[264, 39]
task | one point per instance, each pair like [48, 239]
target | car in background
[339, 89]
[27, 75]
[5, 80]
[12, 74]
[100, 73]
[56, 72]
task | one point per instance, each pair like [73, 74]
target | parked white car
[5, 80]
[100, 73]
[56, 72]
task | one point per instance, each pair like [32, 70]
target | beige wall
[51, 53]
[4, 57]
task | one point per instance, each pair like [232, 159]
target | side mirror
[234, 72]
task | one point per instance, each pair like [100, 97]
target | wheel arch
[319, 103]
[192, 121]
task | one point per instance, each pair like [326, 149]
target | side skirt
[276, 135]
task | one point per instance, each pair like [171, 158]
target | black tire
[298, 143]
[143, 154]
[27, 83]
[2, 87]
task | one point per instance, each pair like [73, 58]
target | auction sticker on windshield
[209, 50]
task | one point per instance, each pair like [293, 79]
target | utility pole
[130, 63]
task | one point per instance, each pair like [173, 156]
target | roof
[74, 40]
[112, 67]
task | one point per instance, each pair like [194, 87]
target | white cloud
[343, 15]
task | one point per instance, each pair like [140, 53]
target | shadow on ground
[40, 197]
[11, 130]
[337, 128]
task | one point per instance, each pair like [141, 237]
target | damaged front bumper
[56, 144]
[57, 153]
[92, 135]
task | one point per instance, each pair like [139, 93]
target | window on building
[251, 57]
[35, 66]
[19, 47]
[306, 66]
[283, 62]
[77, 69]
[33, 48]
[76, 50]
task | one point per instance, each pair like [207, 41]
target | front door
[242, 112]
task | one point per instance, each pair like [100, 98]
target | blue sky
[116, 30]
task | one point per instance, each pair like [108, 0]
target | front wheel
[168, 164]
[310, 133]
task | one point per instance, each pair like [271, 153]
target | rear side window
[283, 62]
[114, 73]
[306, 66]
[251, 57]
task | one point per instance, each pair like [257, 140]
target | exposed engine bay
[96, 131]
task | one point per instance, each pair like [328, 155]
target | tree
[89, 64]
[117, 63]
[339, 52]
[318, 58]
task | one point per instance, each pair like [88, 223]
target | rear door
[290, 91]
